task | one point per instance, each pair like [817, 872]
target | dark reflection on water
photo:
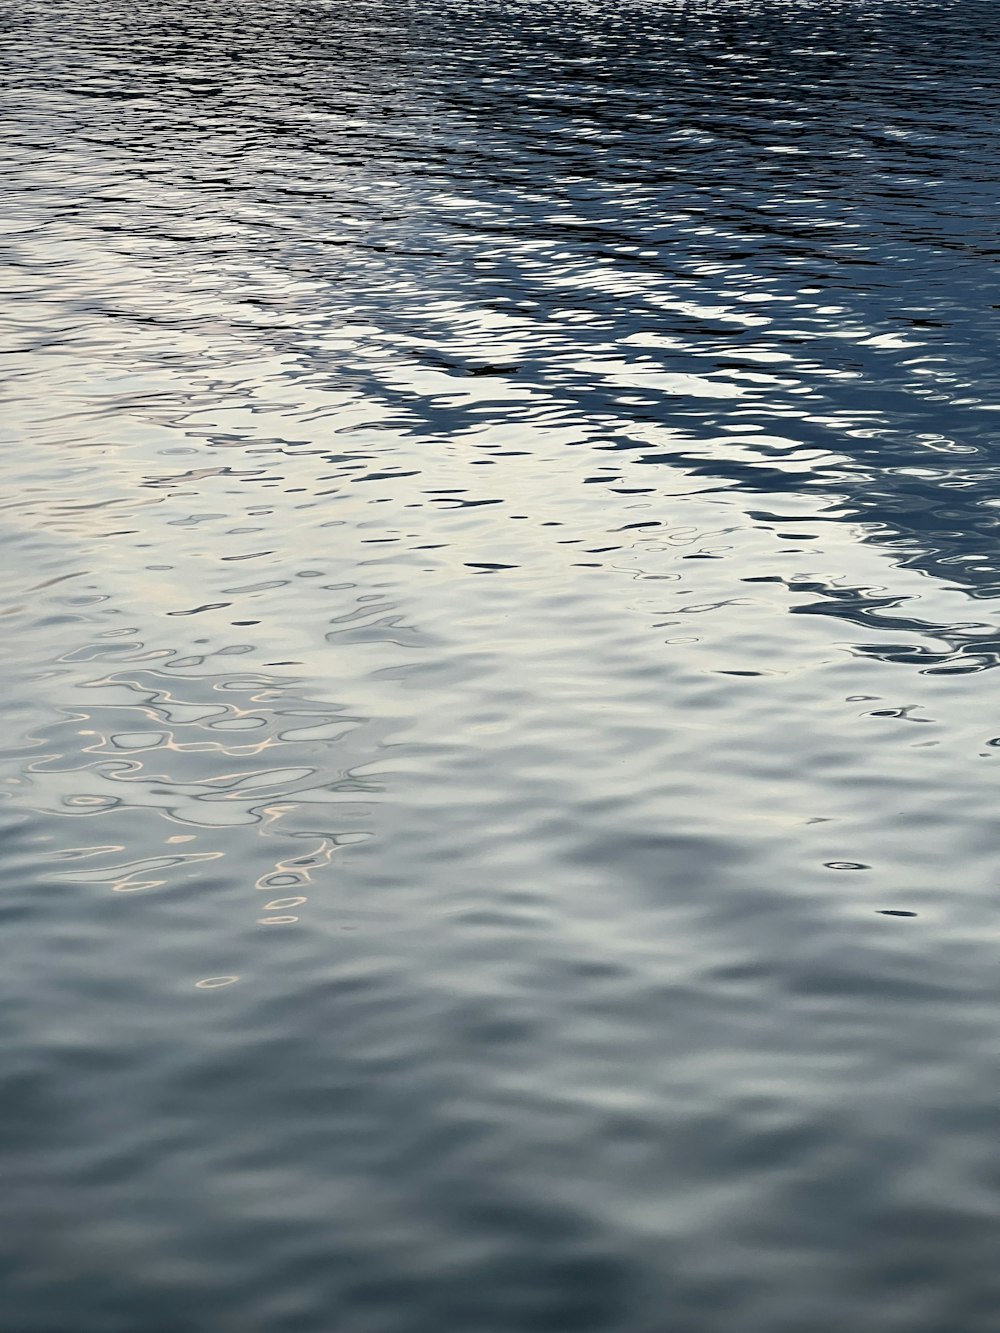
[499, 516]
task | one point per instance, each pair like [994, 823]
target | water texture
[501, 583]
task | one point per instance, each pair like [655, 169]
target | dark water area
[555, 897]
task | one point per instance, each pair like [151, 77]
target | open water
[501, 544]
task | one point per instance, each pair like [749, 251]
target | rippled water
[501, 584]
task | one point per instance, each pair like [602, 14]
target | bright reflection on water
[500, 531]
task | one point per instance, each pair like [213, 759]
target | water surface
[501, 583]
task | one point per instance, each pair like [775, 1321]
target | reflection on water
[555, 896]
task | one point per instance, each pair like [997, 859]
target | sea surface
[500, 532]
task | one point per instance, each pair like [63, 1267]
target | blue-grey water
[501, 590]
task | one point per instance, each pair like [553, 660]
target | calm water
[501, 545]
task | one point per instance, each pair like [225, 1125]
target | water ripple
[558, 895]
